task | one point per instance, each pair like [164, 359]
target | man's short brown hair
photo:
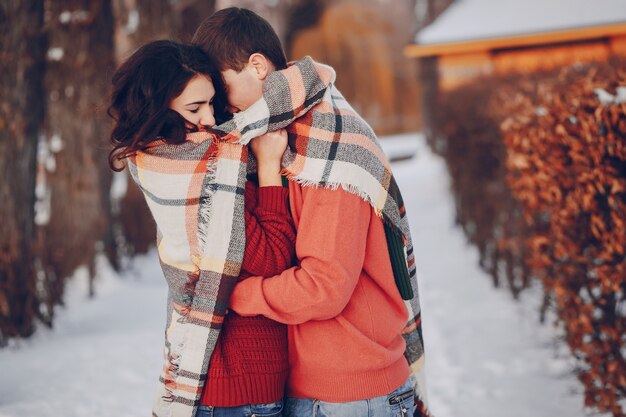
[229, 36]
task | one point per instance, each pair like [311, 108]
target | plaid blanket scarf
[195, 193]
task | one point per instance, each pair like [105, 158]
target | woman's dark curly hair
[143, 88]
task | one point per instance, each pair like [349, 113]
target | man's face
[242, 88]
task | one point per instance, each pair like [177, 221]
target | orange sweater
[341, 303]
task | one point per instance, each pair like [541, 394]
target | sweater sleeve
[330, 247]
[270, 232]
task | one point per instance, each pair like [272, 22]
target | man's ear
[260, 65]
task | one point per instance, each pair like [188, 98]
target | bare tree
[72, 153]
[191, 13]
[22, 51]
[366, 52]
[141, 21]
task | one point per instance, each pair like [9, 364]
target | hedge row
[541, 181]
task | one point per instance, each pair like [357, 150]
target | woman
[166, 97]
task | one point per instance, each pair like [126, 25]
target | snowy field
[486, 355]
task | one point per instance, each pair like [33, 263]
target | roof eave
[516, 41]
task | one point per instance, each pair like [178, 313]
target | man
[350, 348]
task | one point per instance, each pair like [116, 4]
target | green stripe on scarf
[398, 262]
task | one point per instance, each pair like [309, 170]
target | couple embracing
[281, 231]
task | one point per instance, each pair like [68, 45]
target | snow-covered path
[486, 354]
[101, 359]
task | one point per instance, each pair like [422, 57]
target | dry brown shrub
[561, 216]
[566, 163]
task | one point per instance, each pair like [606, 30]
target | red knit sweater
[250, 362]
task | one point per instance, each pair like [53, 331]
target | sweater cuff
[273, 198]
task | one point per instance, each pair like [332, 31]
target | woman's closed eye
[196, 109]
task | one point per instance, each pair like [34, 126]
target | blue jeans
[250, 410]
[398, 403]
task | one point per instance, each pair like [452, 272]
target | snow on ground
[486, 354]
[477, 19]
[103, 356]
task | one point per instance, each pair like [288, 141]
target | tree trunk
[190, 14]
[22, 51]
[140, 21]
[73, 153]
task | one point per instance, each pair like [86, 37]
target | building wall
[455, 70]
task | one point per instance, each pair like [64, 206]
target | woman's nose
[207, 118]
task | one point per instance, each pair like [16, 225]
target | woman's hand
[270, 146]
[268, 150]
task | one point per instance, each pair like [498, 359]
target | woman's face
[195, 103]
